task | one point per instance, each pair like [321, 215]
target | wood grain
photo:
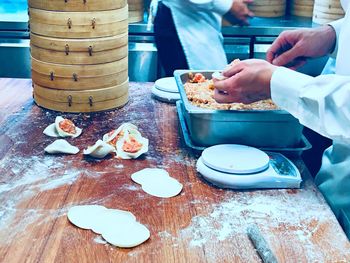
[37, 189]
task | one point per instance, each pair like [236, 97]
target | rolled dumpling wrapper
[99, 150]
[61, 146]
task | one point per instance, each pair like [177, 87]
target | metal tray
[289, 152]
[259, 128]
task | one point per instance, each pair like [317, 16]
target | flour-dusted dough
[62, 133]
[129, 235]
[51, 131]
[157, 182]
[128, 155]
[85, 216]
[61, 146]
[112, 218]
[99, 150]
[140, 177]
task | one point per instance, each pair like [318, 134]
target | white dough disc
[61, 146]
[234, 158]
[164, 187]
[167, 84]
[140, 177]
[85, 216]
[130, 235]
[110, 219]
[51, 131]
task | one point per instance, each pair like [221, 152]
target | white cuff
[222, 6]
[286, 85]
[336, 26]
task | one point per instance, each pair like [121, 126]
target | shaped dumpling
[61, 146]
[99, 150]
[66, 128]
[51, 131]
[113, 136]
[131, 146]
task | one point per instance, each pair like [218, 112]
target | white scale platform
[166, 90]
[243, 167]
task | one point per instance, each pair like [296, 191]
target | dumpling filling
[68, 126]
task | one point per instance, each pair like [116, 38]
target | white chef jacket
[198, 25]
[323, 104]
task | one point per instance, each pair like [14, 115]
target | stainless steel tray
[259, 128]
[289, 152]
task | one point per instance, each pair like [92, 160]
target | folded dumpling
[131, 146]
[99, 150]
[113, 136]
[66, 128]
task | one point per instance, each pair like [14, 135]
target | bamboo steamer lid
[79, 77]
[87, 102]
[79, 51]
[79, 24]
[77, 5]
[268, 8]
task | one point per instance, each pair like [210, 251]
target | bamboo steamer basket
[326, 11]
[136, 10]
[268, 8]
[79, 51]
[302, 8]
[82, 101]
[79, 77]
[77, 5]
[79, 24]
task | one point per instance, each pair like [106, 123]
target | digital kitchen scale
[243, 167]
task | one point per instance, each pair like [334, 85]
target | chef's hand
[292, 48]
[241, 12]
[247, 81]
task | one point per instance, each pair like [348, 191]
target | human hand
[241, 12]
[292, 48]
[247, 81]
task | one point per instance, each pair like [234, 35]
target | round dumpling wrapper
[85, 216]
[112, 218]
[140, 177]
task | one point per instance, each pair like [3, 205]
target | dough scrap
[61, 146]
[99, 150]
[157, 182]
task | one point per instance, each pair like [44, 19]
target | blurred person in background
[188, 32]
[320, 103]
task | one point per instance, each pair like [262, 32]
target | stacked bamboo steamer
[302, 8]
[268, 8]
[136, 10]
[79, 52]
[326, 11]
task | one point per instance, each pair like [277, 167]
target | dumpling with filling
[99, 150]
[66, 128]
[113, 136]
[131, 146]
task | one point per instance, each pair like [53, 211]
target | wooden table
[202, 224]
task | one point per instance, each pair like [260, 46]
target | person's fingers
[251, 14]
[287, 56]
[223, 98]
[233, 69]
[223, 85]
[277, 47]
[298, 63]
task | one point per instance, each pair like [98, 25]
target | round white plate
[165, 96]
[235, 159]
[167, 85]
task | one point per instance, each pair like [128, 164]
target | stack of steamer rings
[268, 8]
[79, 52]
[326, 11]
[136, 10]
[302, 8]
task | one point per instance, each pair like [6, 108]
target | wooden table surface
[202, 224]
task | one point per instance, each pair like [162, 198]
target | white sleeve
[320, 103]
[336, 26]
[218, 6]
